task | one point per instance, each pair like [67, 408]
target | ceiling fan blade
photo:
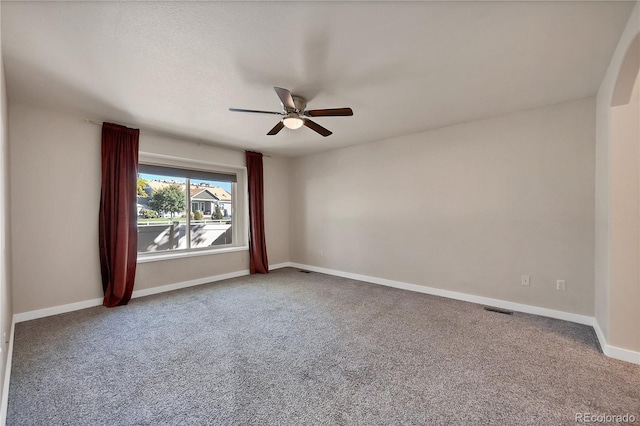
[316, 127]
[285, 98]
[254, 111]
[276, 129]
[331, 112]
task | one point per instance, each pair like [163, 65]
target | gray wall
[55, 248]
[6, 311]
[481, 204]
[617, 285]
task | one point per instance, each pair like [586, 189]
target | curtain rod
[173, 135]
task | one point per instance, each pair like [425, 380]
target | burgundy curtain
[258, 262]
[118, 212]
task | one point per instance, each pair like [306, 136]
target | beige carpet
[291, 348]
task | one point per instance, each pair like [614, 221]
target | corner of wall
[277, 208]
[6, 311]
[602, 264]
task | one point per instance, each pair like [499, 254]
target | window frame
[239, 206]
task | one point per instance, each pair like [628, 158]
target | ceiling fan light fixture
[292, 122]
[295, 113]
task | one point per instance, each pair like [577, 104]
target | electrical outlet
[321, 253]
[525, 280]
[561, 285]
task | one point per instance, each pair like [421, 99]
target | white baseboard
[279, 266]
[4, 404]
[512, 306]
[55, 310]
[608, 350]
[199, 281]
[614, 351]
[190, 283]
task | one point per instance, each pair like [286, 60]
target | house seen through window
[181, 209]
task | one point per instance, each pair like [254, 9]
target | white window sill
[154, 257]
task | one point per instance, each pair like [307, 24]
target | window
[186, 210]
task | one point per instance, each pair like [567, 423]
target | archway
[624, 285]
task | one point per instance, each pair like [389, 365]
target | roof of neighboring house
[220, 193]
[202, 194]
[215, 191]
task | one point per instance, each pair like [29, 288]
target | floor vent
[304, 272]
[498, 310]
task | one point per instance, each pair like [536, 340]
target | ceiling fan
[295, 115]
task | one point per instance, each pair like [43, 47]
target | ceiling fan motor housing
[295, 113]
[300, 104]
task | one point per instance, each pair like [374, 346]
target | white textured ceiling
[403, 67]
